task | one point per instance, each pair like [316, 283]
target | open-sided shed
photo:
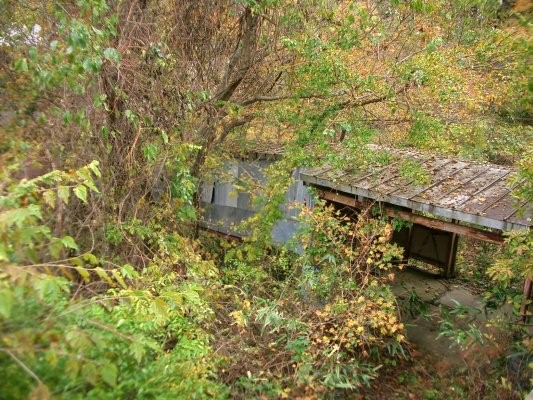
[458, 197]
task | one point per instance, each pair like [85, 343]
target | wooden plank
[417, 219]
[461, 185]
[459, 213]
[359, 177]
[439, 171]
[482, 200]
[449, 271]
[468, 191]
[401, 185]
[382, 175]
[223, 235]
[500, 208]
[316, 171]
[454, 181]
[416, 206]
[525, 213]
[332, 175]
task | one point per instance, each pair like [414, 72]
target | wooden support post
[449, 271]
[407, 250]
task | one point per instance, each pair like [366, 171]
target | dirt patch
[420, 294]
[437, 367]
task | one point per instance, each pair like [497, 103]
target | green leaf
[131, 116]
[90, 184]
[152, 344]
[67, 117]
[128, 271]
[99, 100]
[81, 193]
[63, 192]
[77, 261]
[160, 310]
[6, 302]
[91, 64]
[4, 255]
[47, 287]
[90, 258]
[137, 350]
[19, 216]
[72, 367]
[90, 373]
[21, 65]
[112, 55]
[84, 174]
[77, 339]
[54, 248]
[109, 374]
[150, 152]
[69, 242]
[93, 166]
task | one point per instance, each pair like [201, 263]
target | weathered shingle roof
[463, 190]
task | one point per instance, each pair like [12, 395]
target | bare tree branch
[232, 125]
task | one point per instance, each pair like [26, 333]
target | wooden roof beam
[351, 201]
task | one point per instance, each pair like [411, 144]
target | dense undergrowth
[112, 113]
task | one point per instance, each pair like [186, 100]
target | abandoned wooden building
[457, 197]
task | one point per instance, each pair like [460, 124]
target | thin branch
[22, 365]
[232, 125]
[364, 101]
[280, 97]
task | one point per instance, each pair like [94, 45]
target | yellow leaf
[83, 273]
[119, 279]
[49, 198]
[103, 274]
[238, 316]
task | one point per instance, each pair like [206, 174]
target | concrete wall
[225, 207]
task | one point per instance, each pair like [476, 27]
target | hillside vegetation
[113, 112]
